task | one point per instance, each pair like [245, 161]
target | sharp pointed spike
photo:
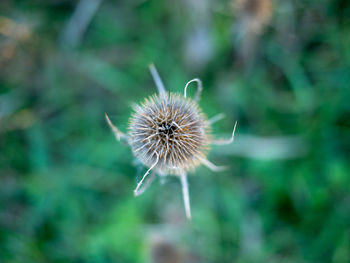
[118, 134]
[156, 78]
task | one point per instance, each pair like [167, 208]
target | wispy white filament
[136, 191]
[223, 141]
[199, 88]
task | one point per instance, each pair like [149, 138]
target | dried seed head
[169, 134]
[169, 130]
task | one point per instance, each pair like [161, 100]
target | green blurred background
[281, 69]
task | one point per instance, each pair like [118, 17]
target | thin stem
[186, 195]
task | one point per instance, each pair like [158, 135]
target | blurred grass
[66, 184]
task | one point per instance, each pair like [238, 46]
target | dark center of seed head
[167, 129]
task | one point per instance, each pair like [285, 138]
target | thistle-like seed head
[169, 130]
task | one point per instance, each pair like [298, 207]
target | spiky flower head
[172, 129]
[169, 134]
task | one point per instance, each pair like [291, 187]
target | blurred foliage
[66, 184]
